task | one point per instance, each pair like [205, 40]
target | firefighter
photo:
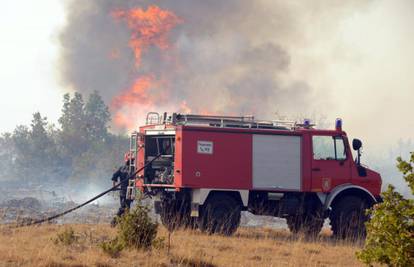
[120, 176]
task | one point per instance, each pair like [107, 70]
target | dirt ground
[35, 246]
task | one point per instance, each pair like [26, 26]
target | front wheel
[348, 218]
[221, 215]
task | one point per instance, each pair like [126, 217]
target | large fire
[149, 28]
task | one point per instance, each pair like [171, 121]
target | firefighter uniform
[121, 175]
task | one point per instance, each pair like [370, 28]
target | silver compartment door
[277, 162]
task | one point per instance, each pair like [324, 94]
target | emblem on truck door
[204, 147]
[326, 184]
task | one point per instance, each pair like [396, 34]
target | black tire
[348, 218]
[220, 215]
[309, 225]
[175, 214]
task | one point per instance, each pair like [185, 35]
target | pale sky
[365, 64]
[28, 52]
[368, 67]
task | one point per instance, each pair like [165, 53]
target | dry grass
[34, 246]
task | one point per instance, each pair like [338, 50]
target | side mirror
[356, 144]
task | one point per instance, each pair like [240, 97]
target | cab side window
[328, 148]
[340, 148]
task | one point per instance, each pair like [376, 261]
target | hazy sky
[28, 50]
[364, 61]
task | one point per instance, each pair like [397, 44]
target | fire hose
[90, 200]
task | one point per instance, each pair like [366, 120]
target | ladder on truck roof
[231, 121]
[223, 121]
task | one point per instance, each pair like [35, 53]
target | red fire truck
[210, 168]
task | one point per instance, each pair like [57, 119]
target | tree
[97, 118]
[32, 152]
[99, 162]
[21, 143]
[44, 157]
[7, 156]
[81, 149]
[39, 147]
[390, 232]
[89, 150]
[73, 135]
[73, 115]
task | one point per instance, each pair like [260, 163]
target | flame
[137, 94]
[129, 105]
[148, 28]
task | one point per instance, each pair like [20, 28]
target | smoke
[226, 57]
[386, 164]
[349, 59]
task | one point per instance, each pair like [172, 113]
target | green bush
[66, 237]
[135, 230]
[390, 232]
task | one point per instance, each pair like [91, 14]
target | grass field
[35, 246]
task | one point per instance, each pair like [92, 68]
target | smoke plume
[349, 59]
[226, 57]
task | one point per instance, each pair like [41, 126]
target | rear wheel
[348, 218]
[220, 215]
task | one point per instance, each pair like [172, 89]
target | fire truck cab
[205, 170]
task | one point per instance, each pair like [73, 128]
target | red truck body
[230, 165]
[269, 163]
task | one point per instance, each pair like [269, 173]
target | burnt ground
[18, 205]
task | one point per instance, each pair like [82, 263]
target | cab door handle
[316, 169]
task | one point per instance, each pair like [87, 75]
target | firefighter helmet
[128, 156]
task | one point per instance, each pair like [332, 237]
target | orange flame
[137, 94]
[129, 106]
[149, 27]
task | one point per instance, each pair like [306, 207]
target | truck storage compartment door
[277, 162]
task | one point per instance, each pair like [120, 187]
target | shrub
[390, 232]
[66, 237]
[136, 229]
